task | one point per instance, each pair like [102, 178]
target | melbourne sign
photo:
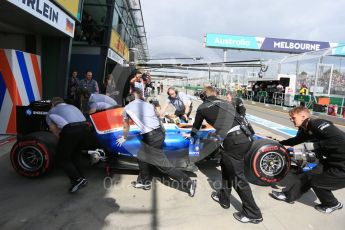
[271, 44]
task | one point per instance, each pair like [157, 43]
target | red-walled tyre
[267, 162]
[33, 155]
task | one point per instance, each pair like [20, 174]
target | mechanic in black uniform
[330, 173]
[237, 102]
[69, 125]
[240, 109]
[221, 115]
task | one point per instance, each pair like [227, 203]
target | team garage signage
[47, 12]
[271, 44]
[118, 45]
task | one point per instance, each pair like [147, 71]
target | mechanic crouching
[223, 117]
[329, 174]
[97, 102]
[151, 152]
[69, 125]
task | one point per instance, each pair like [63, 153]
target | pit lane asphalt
[111, 203]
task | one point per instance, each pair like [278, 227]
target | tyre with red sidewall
[33, 154]
[267, 162]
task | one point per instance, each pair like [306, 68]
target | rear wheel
[267, 162]
[33, 154]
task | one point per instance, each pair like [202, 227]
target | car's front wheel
[267, 162]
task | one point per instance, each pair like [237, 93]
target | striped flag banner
[20, 84]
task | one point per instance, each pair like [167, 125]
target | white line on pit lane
[272, 125]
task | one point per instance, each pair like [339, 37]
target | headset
[203, 95]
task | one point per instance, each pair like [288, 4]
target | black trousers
[151, 155]
[72, 138]
[232, 166]
[323, 180]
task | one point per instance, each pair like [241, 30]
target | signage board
[117, 44]
[271, 44]
[48, 12]
[115, 57]
[73, 7]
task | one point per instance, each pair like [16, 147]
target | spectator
[303, 90]
[137, 82]
[73, 85]
[280, 88]
[108, 87]
[88, 83]
[158, 88]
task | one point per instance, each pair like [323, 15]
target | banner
[115, 57]
[118, 45]
[49, 13]
[292, 46]
[73, 7]
[232, 41]
[271, 44]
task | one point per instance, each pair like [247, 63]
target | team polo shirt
[101, 102]
[63, 114]
[143, 115]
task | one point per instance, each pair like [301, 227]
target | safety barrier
[278, 98]
[262, 95]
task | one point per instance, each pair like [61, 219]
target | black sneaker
[242, 218]
[280, 196]
[215, 197]
[78, 184]
[192, 188]
[139, 184]
[327, 209]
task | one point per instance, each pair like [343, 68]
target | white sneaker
[145, 186]
[242, 218]
[280, 196]
[328, 210]
[192, 188]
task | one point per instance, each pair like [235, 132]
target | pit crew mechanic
[237, 103]
[151, 153]
[221, 115]
[97, 102]
[329, 175]
[68, 124]
[180, 101]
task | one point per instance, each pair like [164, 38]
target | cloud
[188, 21]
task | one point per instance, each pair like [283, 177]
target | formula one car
[33, 153]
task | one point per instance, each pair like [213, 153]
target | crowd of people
[337, 83]
[228, 119]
